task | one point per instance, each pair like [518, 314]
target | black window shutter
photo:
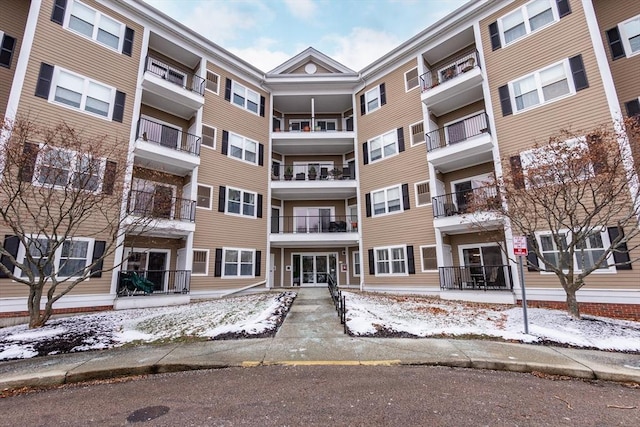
[579, 74]
[383, 94]
[615, 44]
[57, 15]
[6, 50]
[505, 100]
[405, 197]
[411, 262]
[225, 142]
[363, 107]
[127, 46]
[365, 153]
[217, 269]
[262, 101]
[28, 161]
[620, 252]
[400, 140]
[495, 36]
[227, 90]
[98, 252]
[118, 106]
[633, 107]
[11, 245]
[109, 179]
[258, 263]
[517, 175]
[222, 199]
[259, 207]
[44, 81]
[261, 154]
[532, 258]
[372, 263]
[367, 202]
[563, 8]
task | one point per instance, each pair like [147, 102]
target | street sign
[520, 246]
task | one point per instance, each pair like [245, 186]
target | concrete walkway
[312, 335]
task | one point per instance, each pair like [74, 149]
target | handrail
[154, 204]
[452, 69]
[168, 136]
[461, 202]
[458, 132]
[313, 171]
[185, 79]
[311, 224]
[143, 282]
[476, 277]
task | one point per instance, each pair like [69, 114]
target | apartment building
[313, 173]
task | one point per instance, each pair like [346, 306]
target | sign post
[520, 250]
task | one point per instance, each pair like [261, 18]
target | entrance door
[149, 264]
[272, 270]
[484, 265]
[313, 269]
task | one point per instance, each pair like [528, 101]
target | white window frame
[394, 134]
[418, 205]
[240, 88]
[425, 270]
[75, 159]
[215, 137]
[206, 268]
[406, 81]
[21, 255]
[84, 94]
[210, 207]
[424, 134]
[538, 82]
[527, 24]
[625, 37]
[370, 96]
[238, 263]
[386, 201]
[390, 261]
[606, 243]
[245, 142]
[217, 91]
[95, 23]
[326, 122]
[356, 255]
[299, 123]
[242, 202]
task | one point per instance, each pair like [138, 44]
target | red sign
[520, 246]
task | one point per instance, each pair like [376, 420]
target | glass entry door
[152, 265]
[313, 269]
[484, 265]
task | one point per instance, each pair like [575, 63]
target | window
[63, 168]
[204, 196]
[7, 46]
[417, 133]
[429, 258]
[411, 79]
[391, 261]
[245, 97]
[423, 194]
[200, 265]
[542, 86]
[208, 136]
[79, 92]
[630, 32]
[587, 251]
[383, 146]
[69, 259]
[238, 262]
[212, 81]
[241, 202]
[372, 99]
[527, 19]
[356, 263]
[540, 165]
[95, 25]
[386, 201]
[243, 148]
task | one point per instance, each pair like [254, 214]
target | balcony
[313, 141]
[314, 231]
[168, 216]
[458, 212]
[156, 282]
[313, 181]
[453, 85]
[476, 277]
[462, 144]
[165, 147]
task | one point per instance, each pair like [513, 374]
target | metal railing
[479, 277]
[160, 204]
[315, 224]
[454, 68]
[312, 172]
[339, 301]
[185, 79]
[168, 136]
[458, 132]
[157, 282]
[461, 202]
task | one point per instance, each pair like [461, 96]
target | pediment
[310, 62]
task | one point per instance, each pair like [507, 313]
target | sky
[267, 33]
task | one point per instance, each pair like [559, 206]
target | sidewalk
[312, 335]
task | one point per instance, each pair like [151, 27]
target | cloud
[302, 9]
[360, 47]
[262, 54]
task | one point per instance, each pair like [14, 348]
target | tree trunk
[572, 304]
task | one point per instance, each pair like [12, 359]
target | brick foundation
[73, 310]
[619, 311]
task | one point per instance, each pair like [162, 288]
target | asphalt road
[330, 396]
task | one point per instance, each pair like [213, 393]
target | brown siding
[12, 22]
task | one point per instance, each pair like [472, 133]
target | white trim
[383, 156]
[461, 249]
[484, 177]
[586, 294]
[19, 304]
[386, 201]
[523, 8]
[242, 193]
[215, 136]
[206, 73]
[84, 94]
[390, 261]
[20, 256]
[72, 169]
[415, 185]
[246, 97]
[625, 38]
[366, 102]
[238, 263]
[211, 191]
[422, 269]
[93, 38]
[244, 150]
[206, 273]
[359, 264]
[424, 133]
[406, 82]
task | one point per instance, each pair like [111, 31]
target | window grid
[238, 262]
[62, 168]
[542, 86]
[417, 134]
[95, 25]
[423, 193]
[200, 264]
[208, 136]
[372, 99]
[241, 202]
[212, 82]
[429, 258]
[391, 261]
[527, 19]
[245, 97]
[204, 196]
[73, 256]
[243, 148]
[80, 93]
[411, 79]
[383, 146]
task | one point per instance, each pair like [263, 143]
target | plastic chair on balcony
[300, 176]
[324, 173]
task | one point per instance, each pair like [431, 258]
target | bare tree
[60, 202]
[580, 193]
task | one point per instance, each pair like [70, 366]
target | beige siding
[320, 69]
[288, 261]
[162, 116]
[456, 115]
[12, 22]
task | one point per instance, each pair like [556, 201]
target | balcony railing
[316, 125]
[157, 282]
[185, 80]
[476, 277]
[161, 204]
[314, 224]
[453, 69]
[461, 202]
[458, 132]
[168, 136]
[312, 172]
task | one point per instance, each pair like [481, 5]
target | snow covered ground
[368, 314]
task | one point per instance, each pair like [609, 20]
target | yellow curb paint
[250, 364]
